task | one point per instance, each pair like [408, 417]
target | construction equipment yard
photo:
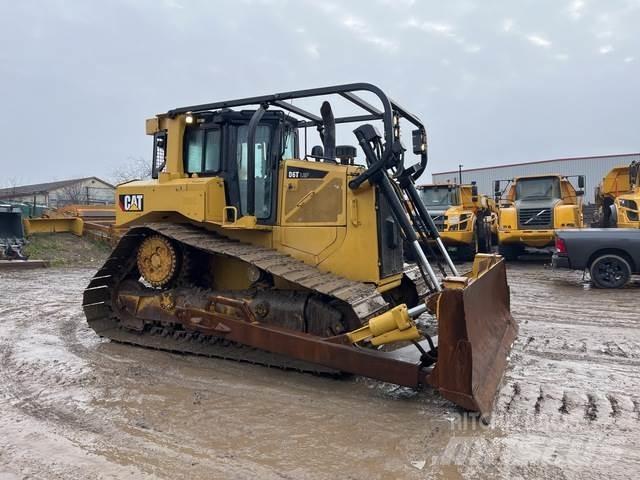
[73, 405]
[320, 240]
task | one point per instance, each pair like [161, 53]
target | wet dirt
[75, 406]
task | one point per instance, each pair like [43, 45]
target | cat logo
[132, 203]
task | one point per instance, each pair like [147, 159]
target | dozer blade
[74, 225]
[475, 334]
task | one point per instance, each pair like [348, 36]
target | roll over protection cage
[386, 115]
[385, 158]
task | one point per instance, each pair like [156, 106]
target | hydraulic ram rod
[408, 186]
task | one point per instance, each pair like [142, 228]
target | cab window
[289, 145]
[439, 196]
[262, 173]
[202, 150]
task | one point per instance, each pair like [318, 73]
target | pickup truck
[611, 255]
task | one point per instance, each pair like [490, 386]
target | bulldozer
[242, 248]
[531, 208]
[618, 196]
[467, 221]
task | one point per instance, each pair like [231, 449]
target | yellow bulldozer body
[321, 222]
[240, 239]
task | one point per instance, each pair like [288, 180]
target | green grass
[66, 250]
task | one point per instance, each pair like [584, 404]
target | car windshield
[441, 196]
[537, 188]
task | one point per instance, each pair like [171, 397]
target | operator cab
[217, 144]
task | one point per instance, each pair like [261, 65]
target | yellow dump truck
[618, 197]
[467, 221]
[532, 207]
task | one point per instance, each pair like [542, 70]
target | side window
[262, 174]
[289, 146]
[159, 153]
[212, 151]
[193, 150]
[202, 150]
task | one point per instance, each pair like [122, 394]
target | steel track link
[363, 298]
[101, 291]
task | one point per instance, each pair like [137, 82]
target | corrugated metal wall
[594, 168]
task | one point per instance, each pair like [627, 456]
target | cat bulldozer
[618, 196]
[241, 247]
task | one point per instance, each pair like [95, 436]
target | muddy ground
[74, 406]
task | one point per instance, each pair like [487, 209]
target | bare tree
[135, 169]
[11, 182]
[73, 193]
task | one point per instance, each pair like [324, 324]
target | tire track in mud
[577, 358]
[33, 386]
[57, 393]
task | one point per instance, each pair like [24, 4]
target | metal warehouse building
[593, 168]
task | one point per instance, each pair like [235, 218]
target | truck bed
[584, 245]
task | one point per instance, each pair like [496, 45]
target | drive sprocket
[157, 260]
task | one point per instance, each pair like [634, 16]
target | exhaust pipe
[328, 133]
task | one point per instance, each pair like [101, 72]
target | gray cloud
[495, 81]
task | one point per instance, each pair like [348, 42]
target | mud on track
[75, 406]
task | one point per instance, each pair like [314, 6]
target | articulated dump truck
[243, 248]
[618, 198]
[532, 207]
[466, 220]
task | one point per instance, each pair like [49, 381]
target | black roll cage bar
[390, 111]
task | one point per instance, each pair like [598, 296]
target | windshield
[537, 188]
[439, 196]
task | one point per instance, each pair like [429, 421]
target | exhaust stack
[328, 133]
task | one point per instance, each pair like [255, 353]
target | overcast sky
[494, 81]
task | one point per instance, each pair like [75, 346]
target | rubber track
[98, 296]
